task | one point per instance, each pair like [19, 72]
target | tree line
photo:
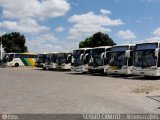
[16, 42]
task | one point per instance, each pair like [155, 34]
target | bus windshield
[41, 58]
[61, 58]
[144, 55]
[53, 58]
[76, 56]
[96, 54]
[8, 58]
[117, 59]
[48, 59]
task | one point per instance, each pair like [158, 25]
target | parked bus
[63, 61]
[41, 60]
[120, 59]
[99, 60]
[146, 59]
[50, 62]
[19, 59]
[80, 59]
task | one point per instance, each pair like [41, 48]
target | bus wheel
[103, 73]
[16, 65]
[44, 68]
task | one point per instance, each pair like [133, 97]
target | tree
[98, 39]
[14, 42]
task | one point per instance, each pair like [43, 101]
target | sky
[59, 25]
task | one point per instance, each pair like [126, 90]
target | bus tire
[16, 65]
[103, 73]
[44, 68]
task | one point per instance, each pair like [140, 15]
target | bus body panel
[80, 68]
[63, 62]
[83, 67]
[64, 66]
[21, 60]
[49, 62]
[98, 68]
[123, 70]
[41, 60]
[146, 72]
[121, 64]
[145, 63]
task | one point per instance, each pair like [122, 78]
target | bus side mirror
[69, 58]
[91, 59]
[72, 60]
[157, 52]
[127, 53]
[102, 56]
[86, 56]
[81, 56]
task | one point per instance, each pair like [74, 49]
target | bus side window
[130, 61]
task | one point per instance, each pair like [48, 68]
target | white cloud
[49, 43]
[24, 26]
[89, 23]
[34, 8]
[2, 33]
[127, 35]
[49, 37]
[43, 43]
[152, 39]
[157, 32]
[104, 11]
[60, 29]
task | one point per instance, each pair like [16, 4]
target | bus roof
[148, 42]
[52, 53]
[102, 47]
[83, 49]
[23, 53]
[63, 52]
[124, 45]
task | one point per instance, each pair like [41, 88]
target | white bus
[50, 62]
[146, 59]
[80, 59]
[120, 59]
[41, 60]
[19, 59]
[98, 59]
[63, 61]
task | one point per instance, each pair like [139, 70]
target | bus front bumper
[123, 71]
[77, 69]
[98, 69]
[146, 72]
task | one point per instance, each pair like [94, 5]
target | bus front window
[53, 58]
[5, 58]
[117, 59]
[61, 58]
[96, 54]
[76, 56]
[145, 58]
